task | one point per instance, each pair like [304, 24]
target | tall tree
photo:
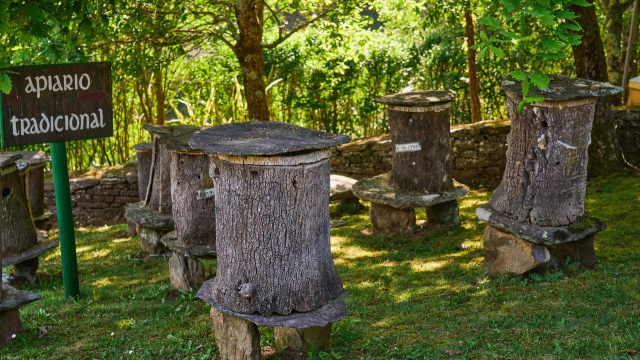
[590, 61]
[249, 27]
[614, 29]
[472, 66]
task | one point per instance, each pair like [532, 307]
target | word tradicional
[57, 103]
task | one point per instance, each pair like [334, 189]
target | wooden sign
[57, 103]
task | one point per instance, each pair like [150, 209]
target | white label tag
[409, 147]
[205, 194]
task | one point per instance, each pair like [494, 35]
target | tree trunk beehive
[420, 133]
[272, 217]
[544, 182]
[192, 198]
[18, 231]
[144, 154]
[165, 139]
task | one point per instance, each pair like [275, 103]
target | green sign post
[53, 104]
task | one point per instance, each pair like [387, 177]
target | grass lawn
[423, 297]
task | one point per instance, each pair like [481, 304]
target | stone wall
[98, 202]
[479, 153]
[628, 131]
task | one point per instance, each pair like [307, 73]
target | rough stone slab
[505, 253]
[150, 240]
[170, 240]
[173, 137]
[145, 146]
[389, 220]
[378, 190]
[333, 311]
[314, 338]
[551, 235]
[41, 247]
[263, 138]
[15, 299]
[582, 251]
[148, 218]
[8, 160]
[417, 98]
[237, 338]
[185, 273]
[562, 88]
[341, 188]
[30, 157]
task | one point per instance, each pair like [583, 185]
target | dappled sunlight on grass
[411, 296]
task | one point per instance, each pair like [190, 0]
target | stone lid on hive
[30, 158]
[563, 88]
[175, 137]
[7, 159]
[417, 98]
[263, 138]
[145, 146]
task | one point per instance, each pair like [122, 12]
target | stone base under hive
[26, 263]
[237, 334]
[10, 302]
[150, 225]
[392, 210]
[43, 222]
[185, 271]
[506, 253]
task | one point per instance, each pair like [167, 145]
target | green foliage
[559, 26]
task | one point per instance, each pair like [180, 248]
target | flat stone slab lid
[551, 235]
[562, 88]
[263, 138]
[331, 312]
[15, 299]
[145, 146]
[417, 98]
[175, 137]
[170, 240]
[378, 191]
[42, 246]
[145, 217]
[29, 158]
[8, 159]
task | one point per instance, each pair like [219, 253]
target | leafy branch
[562, 31]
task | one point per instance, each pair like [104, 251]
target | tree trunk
[590, 61]
[272, 228]
[144, 154]
[18, 231]
[160, 197]
[545, 178]
[422, 149]
[36, 190]
[614, 11]
[474, 92]
[191, 203]
[250, 55]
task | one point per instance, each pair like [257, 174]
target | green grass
[411, 297]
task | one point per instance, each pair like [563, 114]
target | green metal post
[65, 219]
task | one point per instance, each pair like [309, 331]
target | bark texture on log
[273, 238]
[191, 205]
[544, 182]
[446, 213]
[237, 339]
[144, 171]
[429, 168]
[160, 197]
[36, 190]
[18, 231]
